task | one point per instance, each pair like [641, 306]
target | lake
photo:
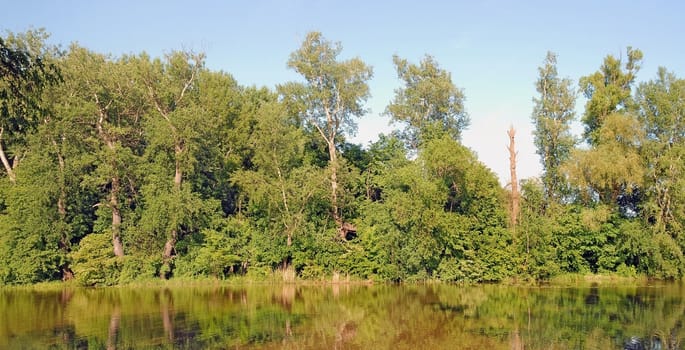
[345, 317]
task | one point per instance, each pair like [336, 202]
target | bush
[213, 258]
[137, 268]
[94, 263]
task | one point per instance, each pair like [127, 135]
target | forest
[117, 169]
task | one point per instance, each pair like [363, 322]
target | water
[345, 317]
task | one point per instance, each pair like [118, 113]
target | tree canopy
[136, 167]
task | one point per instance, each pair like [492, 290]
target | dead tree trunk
[515, 195]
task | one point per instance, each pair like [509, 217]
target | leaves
[429, 104]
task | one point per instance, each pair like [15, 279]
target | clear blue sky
[492, 48]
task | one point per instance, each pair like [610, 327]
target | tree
[25, 70]
[552, 116]
[661, 104]
[611, 170]
[176, 128]
[282, 185]
[332, 96]
[608, 90]
[429, 103]
[104, 96]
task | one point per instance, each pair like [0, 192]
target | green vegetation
[119, 169]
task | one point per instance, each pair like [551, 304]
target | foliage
[94, 263]
[429, 104]
[552, 116]
[121, 169]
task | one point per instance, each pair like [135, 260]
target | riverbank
[280, 278]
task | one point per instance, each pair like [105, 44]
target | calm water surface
[345, 317]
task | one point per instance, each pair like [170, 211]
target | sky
[491, 48]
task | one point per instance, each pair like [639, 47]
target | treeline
[134, 167]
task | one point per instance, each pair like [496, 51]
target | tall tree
[105, 97]
[429, 103]
[281, 186]
[661, 106]
[176, 128]
[25, 69]
[611, 170]
[609, 90]
[333, 95]
[552, 116]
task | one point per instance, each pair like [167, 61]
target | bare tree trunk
[515, 195]
[5, 161]
[178, 175]
[116, 218]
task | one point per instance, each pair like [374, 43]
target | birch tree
[333, 96]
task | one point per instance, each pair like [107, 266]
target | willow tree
[552, 116]
[611, 169]
[332, 96]
[429, 103]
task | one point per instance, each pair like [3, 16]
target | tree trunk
[169, 249]
[515, 195]
[178, 175]
[64, 244]
[5, 161]
[116, 218]
[170, 244]
[114, 191]
[334, 186]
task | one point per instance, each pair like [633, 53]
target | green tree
[333, 95]
[172, 127]
[611, 170]
[439, 216]
[535, 248]
[281, 186]
[609, 90]
[661, 104]
[26, 68]
[429, 103]
[48, 209]
[552, 116]
[104, 97]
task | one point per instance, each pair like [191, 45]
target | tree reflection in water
[346, 317]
